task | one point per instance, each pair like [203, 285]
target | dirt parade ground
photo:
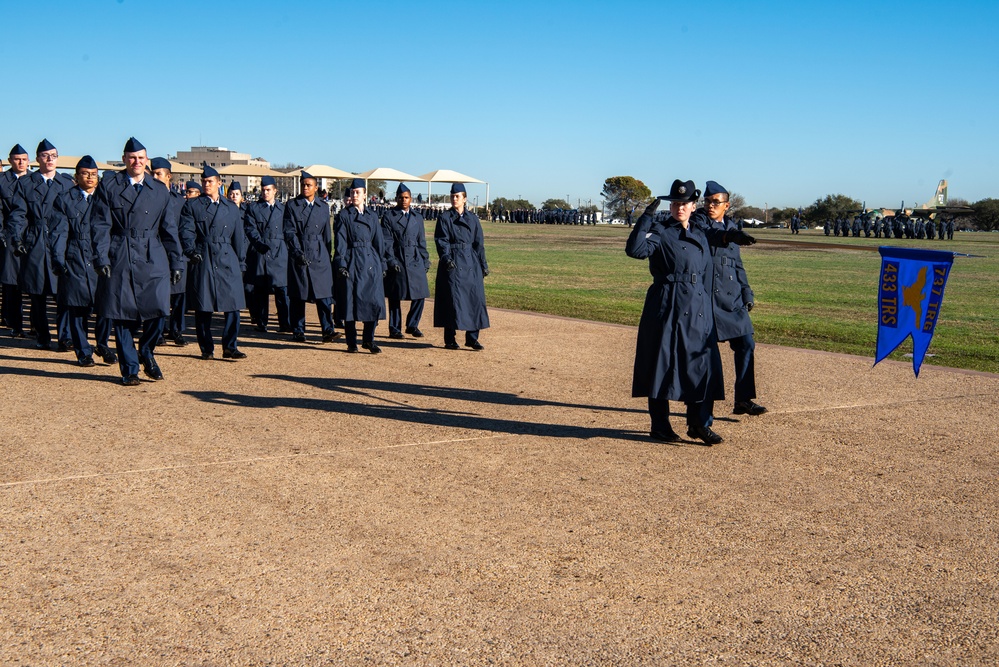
[306, 506]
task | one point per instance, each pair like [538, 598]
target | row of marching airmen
[142, 257]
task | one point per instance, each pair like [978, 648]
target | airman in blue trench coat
[73, 260]
[732, 297]
[211, 232]
[460, 297]
[406, 247]
[267, 256]
[10, 264]
[310, 250]
[31, 218]
[138, 255]
[677, 353]
[175, 322]
[360, 264]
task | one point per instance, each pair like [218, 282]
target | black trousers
[260, 305]
[177, 321]
[451, 336]
[203, 328]
[367, 333]
[324, 307]
[745, 375]
[698, 414]
[124, 335]
[40, 320]
[412, 317]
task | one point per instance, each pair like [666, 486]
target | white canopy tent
[449, 176]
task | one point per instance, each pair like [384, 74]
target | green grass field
[816, 298]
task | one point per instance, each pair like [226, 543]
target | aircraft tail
[940, 198]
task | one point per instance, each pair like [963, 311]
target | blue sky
[783, 102]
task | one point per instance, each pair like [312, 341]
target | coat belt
[679, 278]
[135, 233]
[358, 244]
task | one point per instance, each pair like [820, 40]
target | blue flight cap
[235, 186]
[401, 189]
[457, 187]
[267, 180]
[193, 185]
[18, 149]
[306, 175]
[86, 162]
[713, 188]
[160, 163]
[207, 171]
[358, 183]
[133, 145]
[44, 145]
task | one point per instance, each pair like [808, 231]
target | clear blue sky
[783, 102]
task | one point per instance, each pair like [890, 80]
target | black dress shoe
[151, 368]
[130, 380]
[285, 330]
[207, 355]
[18, 334]
[260, 327]
[704, 433]
[298, 338]
[748, 408]
[352, 349]
[331, 335]
[87, 361]
[43, 346]
[366, 345]
[375, 349]
[451, 346]
[64, 346]
[475, 345]
[414, 332]
[161, 340]
[665, 436]
[233, 354]
[178, 340]
[107, 354]
[396, 334]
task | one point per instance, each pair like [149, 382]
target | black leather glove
[739, 237]
[384, 274]
[20, 250]
[749, 306]
[451, 266]
[175, 276]
[651, 208]
[485, 271]
[301, 260]
[59, 269]
[261, 248]
[3, 241]
[193, 256]
[344, 272]
[396, 268]
[104, 270]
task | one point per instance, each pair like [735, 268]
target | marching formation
[140, 257]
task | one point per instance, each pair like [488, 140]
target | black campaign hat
[682, 191]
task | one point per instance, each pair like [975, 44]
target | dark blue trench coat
[731, 290]
[406, 246]
[73, 248]
[359, 248]
[214, 231]
[308, 234]
[677, 353]
[460, 295]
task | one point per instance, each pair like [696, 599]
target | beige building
[219, 156]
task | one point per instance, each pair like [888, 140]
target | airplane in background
[937, 205]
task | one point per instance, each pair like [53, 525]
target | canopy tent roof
[181, 168]
[325, 171]
[249, 170]
[388, 174]
[447, 176]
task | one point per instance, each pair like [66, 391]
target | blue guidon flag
[909, 299]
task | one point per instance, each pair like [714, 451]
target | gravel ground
[311, 507]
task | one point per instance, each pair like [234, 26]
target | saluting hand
[651, 208]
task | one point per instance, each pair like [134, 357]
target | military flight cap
[160, 163]
[193, 185]
[44, 145]
[401, 189]
[306, 175]
[18, 149]
[267, 180]
[133, 145]
[357, 183]
[713, 188]
[208, 172]
[86, 162]
[457, 187]
[235, 186]
[682, 191]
